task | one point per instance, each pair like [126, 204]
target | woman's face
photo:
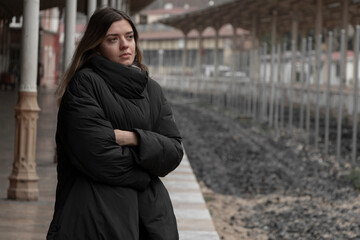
[119, 43]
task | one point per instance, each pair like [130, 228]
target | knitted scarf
[128, 81]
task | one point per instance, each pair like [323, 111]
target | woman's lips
[125, 55]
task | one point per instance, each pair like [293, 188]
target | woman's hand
[126, 138]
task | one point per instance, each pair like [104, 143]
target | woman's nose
[123, 43]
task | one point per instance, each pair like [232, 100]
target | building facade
[170, 51]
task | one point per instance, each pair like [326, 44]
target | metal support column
[24, 179]
[318, 40]
[356, 93]
[113, 3]
[199, 53]
[184, 53]
[91, 7]
[272, 68]
[70, 22]
[234, 52]
[216, 55]
[345, 26]
[119, 4]
[294, 36]
[104, 3]
[339, 119]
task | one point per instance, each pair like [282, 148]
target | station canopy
[15, 7]
[249, 13]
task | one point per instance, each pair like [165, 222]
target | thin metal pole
[264, 97]
[250, 84]
[261, 82]
[277, 77]
[341, 79]
[258, 84]
[302, 77]
[308, 91]
[282, 87]
[327, 115]
[356, 92]
[243, 97]
[272, 85]
[255, 83]
[238, 100]
[317, 116]
[291, 87]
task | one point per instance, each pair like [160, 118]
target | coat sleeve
[89, 140]
[160, 151]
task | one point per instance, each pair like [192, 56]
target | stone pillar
[91, 7]
[70, 22]
[23, 179]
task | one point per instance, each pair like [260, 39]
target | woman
[115, 137]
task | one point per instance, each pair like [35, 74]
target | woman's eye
[112, 39]
[130, 37]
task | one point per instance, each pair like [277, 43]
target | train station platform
[21, 220]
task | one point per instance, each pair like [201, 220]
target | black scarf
[127, 81]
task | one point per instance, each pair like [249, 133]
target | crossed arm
[126, 138]
[115, 156]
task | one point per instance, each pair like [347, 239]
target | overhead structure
[274, 18]
[241, 13]
[15, 7]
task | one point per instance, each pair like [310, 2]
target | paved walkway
[30, 220]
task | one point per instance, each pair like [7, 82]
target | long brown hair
[95, 32]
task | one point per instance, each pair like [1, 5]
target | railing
[304, 98]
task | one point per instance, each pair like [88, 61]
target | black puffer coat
[106, 191]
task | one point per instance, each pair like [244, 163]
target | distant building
[163, 46]
[151, 16]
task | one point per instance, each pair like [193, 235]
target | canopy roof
[15, 7]
[248, 13]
